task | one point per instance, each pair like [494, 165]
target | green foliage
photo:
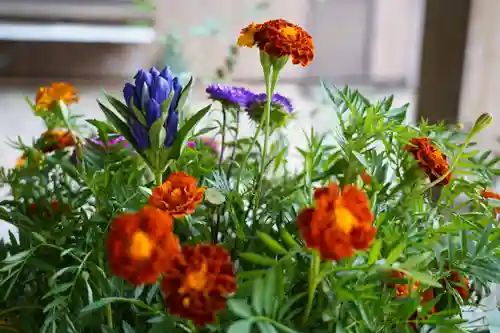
[55, 275]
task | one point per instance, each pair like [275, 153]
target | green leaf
[120, 107]
[175, 150]
[269, 291]
[214, 196]
[265, 327]
[240, 308]
[240, 326]
[375, 252]
[185, 94]
[423, 278]
[272, 244]
[258, 296]
[103, 301]
[18, 256]
[258, 259]
[121, 126]
[288, 239]
[284, 329]
[285, 308]
[396, 253]
[127, 328]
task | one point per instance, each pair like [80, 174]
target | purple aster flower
[281, 108]
[148, 92]
[229, 95]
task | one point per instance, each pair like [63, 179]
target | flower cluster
[340, 222]
[430, 159]
[252, 103]
[153, 97]
[142, 246]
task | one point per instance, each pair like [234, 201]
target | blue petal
[142, 77]
[139, 133]
[166, 73]
[153, 112]
[129, 91]
[177, 94]
[171, 129]
[160, 89]
[154, 72]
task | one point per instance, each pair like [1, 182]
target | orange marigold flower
[47, 97]
[141, 245]
[492, 195]
[57, 139]
[279, 38]
[430, 159]
[365, 177]
[340, 222]
[196, 286]
[178, 195]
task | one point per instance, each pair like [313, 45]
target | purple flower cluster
[235, 96]
[278, 102]
[204, 142]
[245, 98]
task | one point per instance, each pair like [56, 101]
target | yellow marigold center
[195, 281]
[176, 194]
[288, 32]
[141, 246]
[247, 38]
[344, 219]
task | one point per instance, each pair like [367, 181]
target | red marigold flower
[365, 177]
[196, 286]
[178, 195]
[57, 139]
[340, 222]
[460, 284]
[47, 97]
[141, 245]
[279, 38]
[48, 210]
[492, 195]
[430, 159]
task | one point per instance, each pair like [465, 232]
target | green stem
[159, 178]
[271, 79]
[248, 152]
[109, 315]
[313, 283]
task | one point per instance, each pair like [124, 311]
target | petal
[171, 127]
[142, 77]
[153, 112]
[128, 93]
[160, 89]
[139, 133]
[166, 73]
[154, 72]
